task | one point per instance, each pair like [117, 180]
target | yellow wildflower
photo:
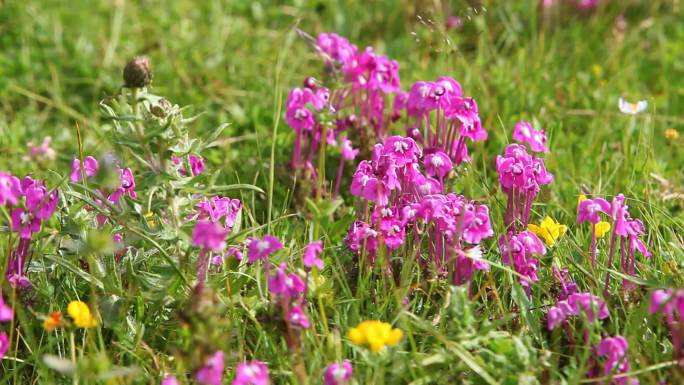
[601, 229]
[549, 230]
[671, 134]
[81, 314]
[375, 334]
[53, 321]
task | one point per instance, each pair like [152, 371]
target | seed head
[138, 72]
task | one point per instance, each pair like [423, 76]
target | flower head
[209, 235]
[261, 249]
[671, 134]
[589, 210]
[375, 334]
[312, 252]
[4, 344]
[576, 304]
[615, 351]
[338, 373]
[212, 371]
[601, 229]
[6, 312]
[81, 314]
[298, 318]
[348, 153]
[10, 188]
[41, 153]
[53, 321]
[251, 373]
[170, 380]
[90, 167]
[284, 284]
[437, 164]
[525, 133]
[549, 230]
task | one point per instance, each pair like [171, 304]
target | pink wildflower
[10, 188]
[6, 312]
[437, 164]
[251, 373]
[261, 249]
[298, 318]
[338, 373]
[525, 133]
[287, 285]
[90, 165]
[4, 344]
[312, 251]
[170, 380]
[209, 235]
[212, 372]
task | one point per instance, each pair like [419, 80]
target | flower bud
[161, 109]
[138, 72]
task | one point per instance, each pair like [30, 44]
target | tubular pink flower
[6, 312]
[261, 249]
[90, 165]
[286, 285]
[525, 133]
[4, 344]
[212, 372]
[209, 235]
[312, 252]
[251, 373]
[298, 318]
[338, 373]
[589, 210]
[10, 189]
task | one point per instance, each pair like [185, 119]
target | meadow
[341, 192]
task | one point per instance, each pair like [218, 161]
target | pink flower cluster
[222, 210]
[192, 163]
[444, 118]
[670, 303]
[521, 176]
[41, 153]
[625, 231]
[566, 286]
[518, 250]
[614, 349]
[91, 167]
[246, 373]
[587, 304]
[30, 203]
[405, 200]
[370, 77]
[290, 290]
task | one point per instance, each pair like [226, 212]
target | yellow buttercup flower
[81, 314]
[601, 229]
[549, 230]
[671, 134]
[375, 334]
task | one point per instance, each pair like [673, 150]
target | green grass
[234, 62]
